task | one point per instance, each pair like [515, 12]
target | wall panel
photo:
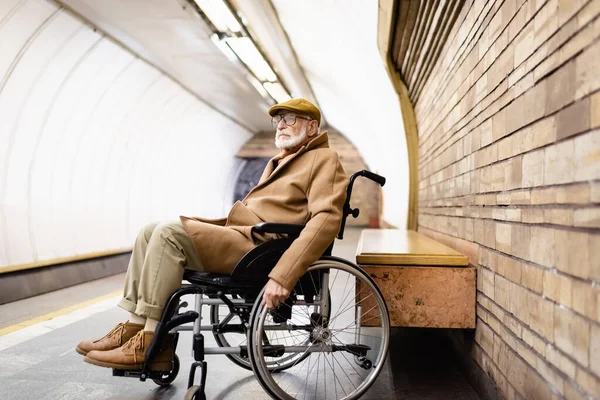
[509, 173]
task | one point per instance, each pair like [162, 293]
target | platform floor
[38, 359]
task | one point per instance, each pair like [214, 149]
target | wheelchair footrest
[355, 349]
[137, 373]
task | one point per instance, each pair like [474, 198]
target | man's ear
[314, 128]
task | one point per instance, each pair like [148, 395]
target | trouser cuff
[146, 310]
[127, 305]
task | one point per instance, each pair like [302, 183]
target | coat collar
[321, 141]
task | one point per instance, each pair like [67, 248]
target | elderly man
[304, 184]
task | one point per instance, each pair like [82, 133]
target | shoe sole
[82, 352]
[165, 366]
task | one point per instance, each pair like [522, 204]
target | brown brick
[559, 163]
[501, 291]
[520, 240]
[587, 217]
[521, 197]
[541, 317]
[478, 231]
[532, 277]
[546, 22]
[503, 241]
[586, 300]
[595, 349]
[572, 256]
[514, 115]
[537, 387]
[509, 268]
[588, 382]
[550, 375]
[513, 214]
[532, 216]
[573, 393]
[594, 256]
[487, 282]
[533, 168]
[589, 12]
[595, 110]
[537, 135]
[560, 361]
[486, 133]
[533, 340]
[489, 234]
[574, 119]
[561, 88]
[587, 156]
[587, 77]
[558, 288]
[516, 372]
[558, 216]
[507, 147]
[514, 173]
[469, 231]
[484, 336]
[594, 192]
[534, 103]
[568, 8]
[573, 194]
[542, 245]
[572, 334]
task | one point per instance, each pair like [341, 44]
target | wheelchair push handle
[372, 176]
[355, 211]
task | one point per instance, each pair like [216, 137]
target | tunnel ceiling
[421, 29]
[172, 37]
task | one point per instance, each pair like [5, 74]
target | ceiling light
[220, 15]
[277, 91]
[224, 48]
[249, 54]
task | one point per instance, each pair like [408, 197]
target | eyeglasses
[288, 119]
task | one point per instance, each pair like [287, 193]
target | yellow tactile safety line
[57, 313]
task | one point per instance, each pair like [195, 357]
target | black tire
[168, 378]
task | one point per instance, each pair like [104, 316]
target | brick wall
[509, 174]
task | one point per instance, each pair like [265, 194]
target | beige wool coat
[308, 187]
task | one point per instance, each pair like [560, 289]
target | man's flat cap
[298, 105]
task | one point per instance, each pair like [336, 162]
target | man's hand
[274, 295]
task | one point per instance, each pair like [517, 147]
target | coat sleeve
[326, 194]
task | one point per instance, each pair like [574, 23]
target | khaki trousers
[160, 254]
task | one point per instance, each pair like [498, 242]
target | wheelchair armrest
[272, 227]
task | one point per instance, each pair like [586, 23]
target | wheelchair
[328, 340]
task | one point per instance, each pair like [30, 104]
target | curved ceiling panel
[172, 36]
[95, 142]
[340, 58]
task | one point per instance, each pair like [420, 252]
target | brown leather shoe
[118, 336]
[133, 353]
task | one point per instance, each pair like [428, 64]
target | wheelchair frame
[244, 283]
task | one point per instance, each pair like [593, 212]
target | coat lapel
[271, 171]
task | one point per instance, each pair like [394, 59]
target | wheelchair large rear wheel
[301, 315]
[346, 351]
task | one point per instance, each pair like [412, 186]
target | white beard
[290, 142]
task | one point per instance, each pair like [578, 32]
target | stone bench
[425, 283]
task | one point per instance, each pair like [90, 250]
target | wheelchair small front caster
[167, 378]
[195, 393]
